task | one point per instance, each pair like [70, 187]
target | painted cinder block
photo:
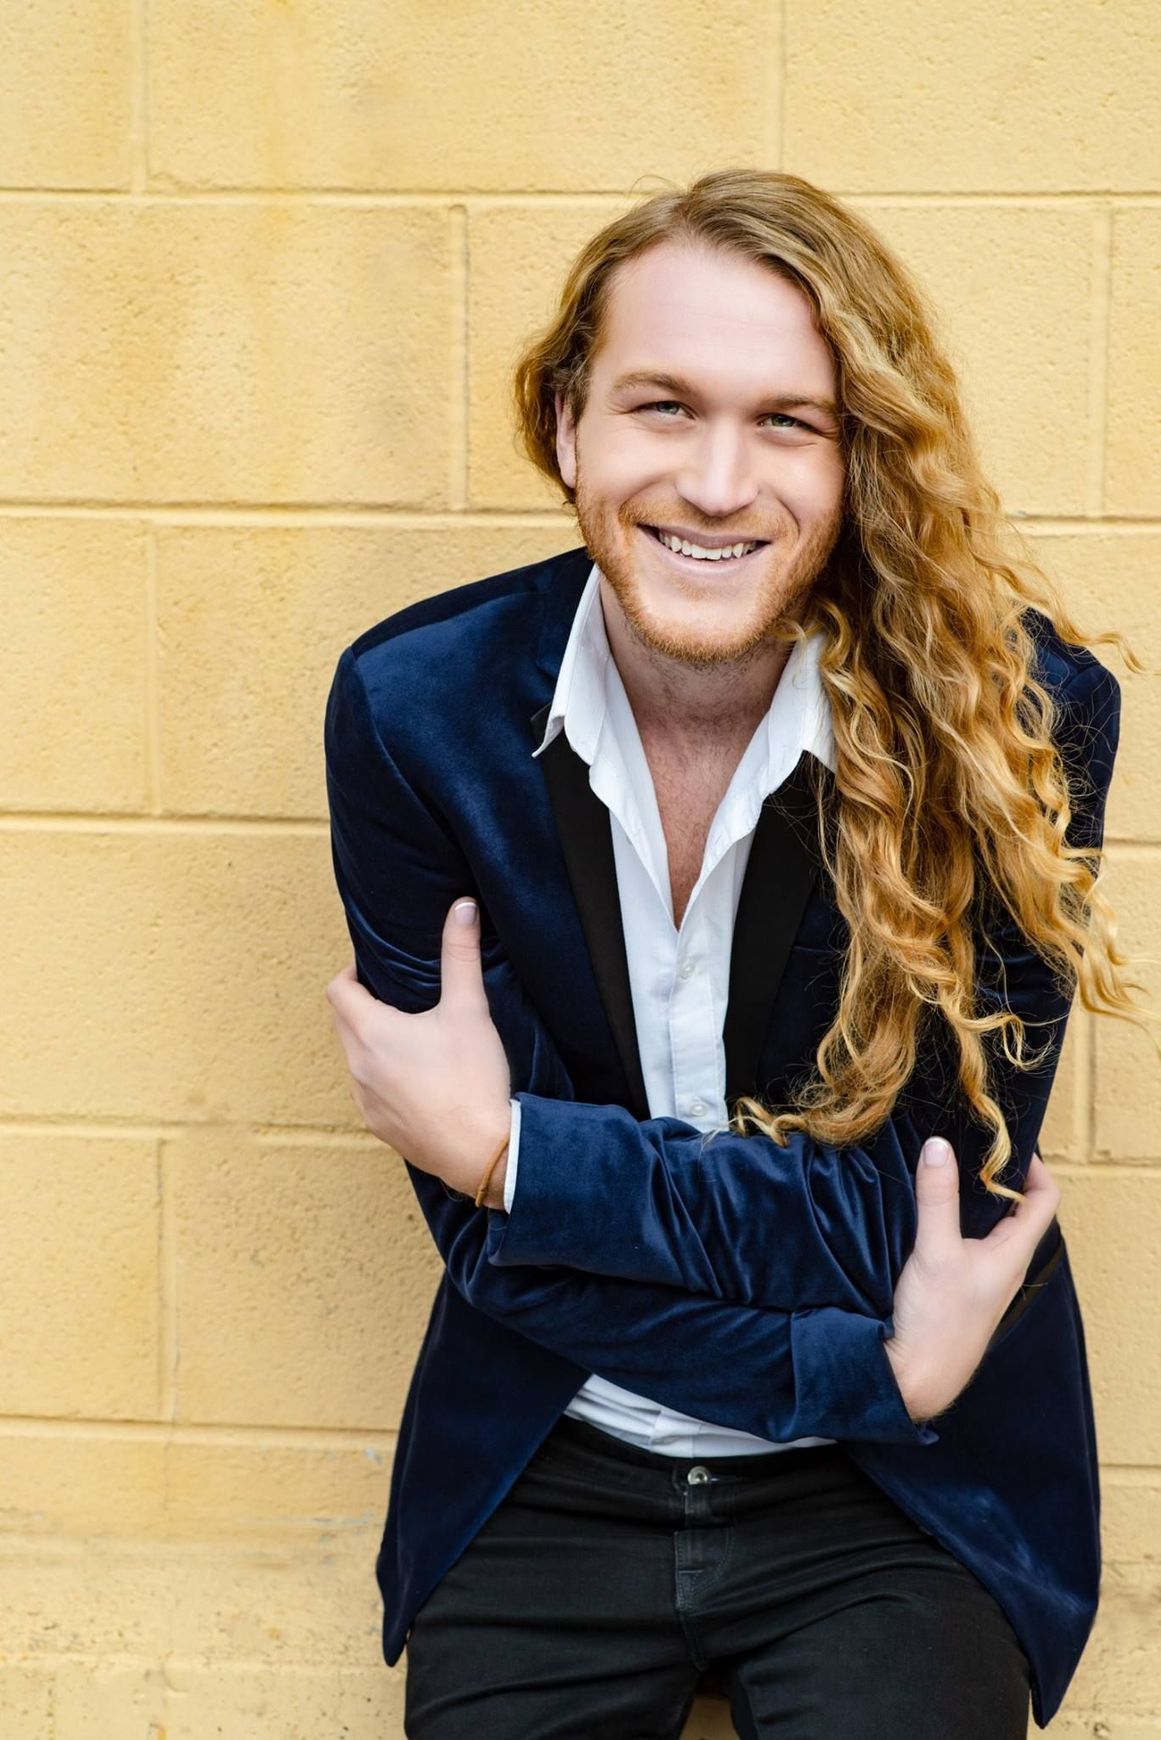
[1127, 1062]
[985, 97]
[123, 1697]
[182, 975]
[251, 622]
[65, 94]
[1133, 452]
[100, 1603]
[1108, 579]
[92, 1481]
[1131, 1516]
[305, 1276]
[1116, 1683]
[79, 1281]
[254, 1701]
[568, 97]
[1011, 287]
[73, 699]
[1112, 1221]
[505, 309]
[26, 1699]
[252, 1487]
[230, 353]
[1064, 1134]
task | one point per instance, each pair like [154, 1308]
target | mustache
[662, 522]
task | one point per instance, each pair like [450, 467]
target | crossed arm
[765, 1274]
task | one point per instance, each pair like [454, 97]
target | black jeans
[611, 1579]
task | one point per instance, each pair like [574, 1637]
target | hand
[953, 1291]
[435, 1086]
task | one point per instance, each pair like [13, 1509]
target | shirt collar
[797, 719]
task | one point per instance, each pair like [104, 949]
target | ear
[565, 441]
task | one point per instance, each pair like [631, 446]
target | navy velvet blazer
[733, 1280]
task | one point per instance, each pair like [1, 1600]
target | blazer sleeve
[778, 1374]
[737, 1217]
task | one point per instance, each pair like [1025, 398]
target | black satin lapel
[781, 874]
[582, 821]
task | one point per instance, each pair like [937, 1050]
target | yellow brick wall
[264, 265]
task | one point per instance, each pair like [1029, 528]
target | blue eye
[662, 405]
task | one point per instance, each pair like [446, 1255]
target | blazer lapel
[781, 874]
[582, 821]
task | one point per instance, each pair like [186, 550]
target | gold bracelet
[487, 1178]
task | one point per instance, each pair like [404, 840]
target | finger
[1041, 1201]
[937, 1194]
[1018, 1232]
[342, 983]
[461, 970]
[356, 1013]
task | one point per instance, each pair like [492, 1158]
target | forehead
[707, 312]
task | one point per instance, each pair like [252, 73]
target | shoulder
[1071, 673]
[1086, 723]
[508, 604]
[429, 674]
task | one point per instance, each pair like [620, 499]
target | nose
[719, 477]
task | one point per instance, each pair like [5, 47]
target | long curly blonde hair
[949, 785]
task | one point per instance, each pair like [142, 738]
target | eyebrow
[675, 384]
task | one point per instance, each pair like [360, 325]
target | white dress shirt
[679, 977]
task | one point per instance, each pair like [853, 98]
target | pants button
[698, 1476]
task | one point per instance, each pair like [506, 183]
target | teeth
[685, 548]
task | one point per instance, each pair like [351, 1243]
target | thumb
[461, 971]
[937, 1194]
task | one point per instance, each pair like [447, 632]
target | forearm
[776, 1375]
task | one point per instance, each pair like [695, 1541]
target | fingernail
[465, 911]
[935, 1152]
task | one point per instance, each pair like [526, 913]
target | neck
[686, 703]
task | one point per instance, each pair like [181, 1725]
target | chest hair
[689, 786]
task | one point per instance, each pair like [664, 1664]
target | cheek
[815, 495]
[620, 464]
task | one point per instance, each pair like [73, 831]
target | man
[833, 798]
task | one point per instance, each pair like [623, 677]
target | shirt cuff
[513, 1158]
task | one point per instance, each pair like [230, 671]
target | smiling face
[711, 414]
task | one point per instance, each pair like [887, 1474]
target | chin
[689, 638]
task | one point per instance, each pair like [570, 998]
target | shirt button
[696, 1108]
[687, 970]
[698, 1476]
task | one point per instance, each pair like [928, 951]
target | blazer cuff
[842, 1373]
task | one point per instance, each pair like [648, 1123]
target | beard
[786, 580]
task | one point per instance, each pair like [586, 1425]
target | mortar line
[262, 1132]
[344, 1137]
[169, 1329]
[401, 199]
[249, 513]
[236, 826]
[141, 822]
[783, 52]
[138, 99]
[1145, 1168]
[1084, 1087]
[459, 447]
[1098, 362]
[152, 677]
[256, 514]
[17, 1426]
